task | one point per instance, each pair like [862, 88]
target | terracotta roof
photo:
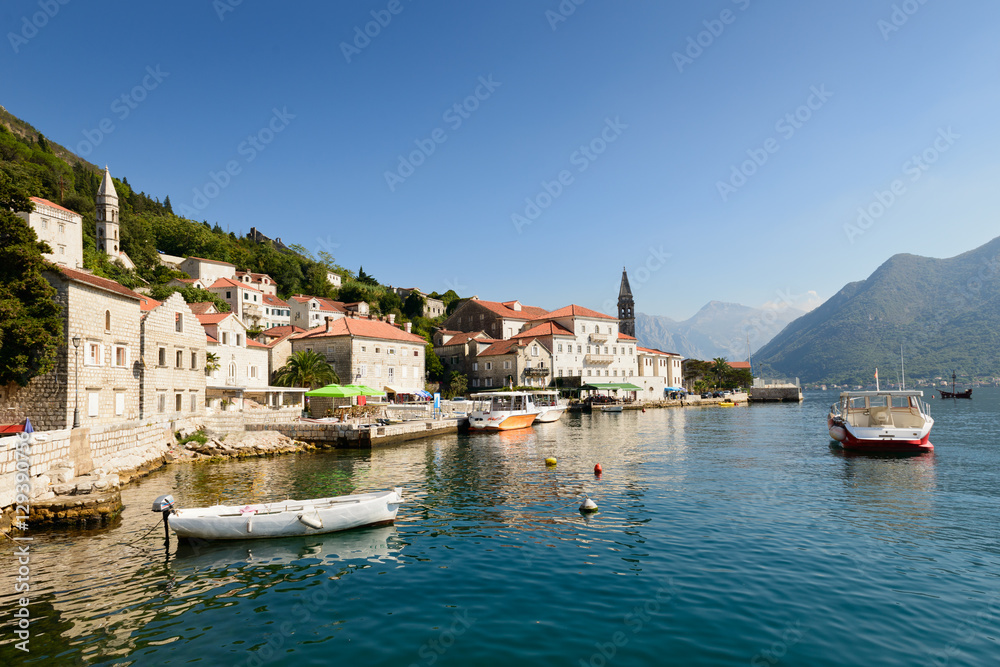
[280, 331]
[461, 338]
[211, 261]
[526, 312]
[201, 307]
[274, 301]
[212, 318]
[739, 364]
[504, 347]
[255, 276]
[578, 311]
[622, 336]
[101, 283]
[52, 204]
[546, 329]
[229, 282]
[324, 304]
[146, 304]
[210, 339]
[253, 343]
[362, 329]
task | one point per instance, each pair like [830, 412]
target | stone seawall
[361, 436]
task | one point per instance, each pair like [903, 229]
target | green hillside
[944, 312]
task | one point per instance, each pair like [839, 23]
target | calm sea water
[725, 537]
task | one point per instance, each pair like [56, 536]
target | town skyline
[626, 150]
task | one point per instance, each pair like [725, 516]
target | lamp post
[76, 397]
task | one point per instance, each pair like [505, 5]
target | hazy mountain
[717, 330]
[945, 313]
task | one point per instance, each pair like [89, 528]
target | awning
[393, 390]
[611, 386]
[334, 391]
[628, 386]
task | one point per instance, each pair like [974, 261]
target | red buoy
[597, 469]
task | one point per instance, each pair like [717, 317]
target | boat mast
[876, 378]
[902, 368]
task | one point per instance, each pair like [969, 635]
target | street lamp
[76, 397]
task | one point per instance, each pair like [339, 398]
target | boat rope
[128, 544]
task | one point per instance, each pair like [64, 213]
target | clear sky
[612, 129]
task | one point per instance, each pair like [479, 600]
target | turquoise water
[725, 537]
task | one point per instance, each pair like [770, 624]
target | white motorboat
[612, 407]
[281, 519]
[885, 421]
[547, 404]
[502, 411]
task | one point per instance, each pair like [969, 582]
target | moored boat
[281, 519]
[881, 421]
[612, 407]
[502, 411]
[955, 394]
[547, 404]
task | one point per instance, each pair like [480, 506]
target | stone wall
[62, 230]
[162, 383]
[231, 422]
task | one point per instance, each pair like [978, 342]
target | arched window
[232, 369]
[107, 320]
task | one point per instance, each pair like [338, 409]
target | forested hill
[45, 169]
[944, 312]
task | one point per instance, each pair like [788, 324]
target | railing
[598, 338]
[599, 359]
[539, 371]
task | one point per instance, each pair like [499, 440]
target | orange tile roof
[526, 312]
[201, 307]
[147, 304]
[229, 282]
[739, 364]
[622, 336]
[51, 204]
[578, 311]
[212, 318]
[362, 329]
[503, 347]
[274, 301]
[101, 283]
[212, 261]
[649, 350]
[253, 343]
[546, 329]
[284, 330]
[325, 304]
[188, 280]
[210, 339]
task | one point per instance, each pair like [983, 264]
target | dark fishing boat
[955, 394]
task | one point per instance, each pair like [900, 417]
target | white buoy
[311, 521]
[588, 506]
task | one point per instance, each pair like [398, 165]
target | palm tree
[305, 369]
[211, 363]
[720, 369]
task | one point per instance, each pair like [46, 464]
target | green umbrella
[335, 391]
[365, 390]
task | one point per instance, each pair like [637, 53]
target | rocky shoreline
[61, 498]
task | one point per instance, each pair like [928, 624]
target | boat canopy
[611, 386]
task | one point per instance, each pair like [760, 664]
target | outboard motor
[165, 504]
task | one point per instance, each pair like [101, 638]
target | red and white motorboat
[881, 421]
[502, 411]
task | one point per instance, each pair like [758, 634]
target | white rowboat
[281, 519]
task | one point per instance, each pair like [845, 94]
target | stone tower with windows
[626, 307]
[107, 217]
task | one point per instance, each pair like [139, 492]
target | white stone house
[207, 270]
[244, 301]
[370, 352]
[259, 281]
[309, 312]
[333, 279]
[173, 354]
[519, 361]
[96, 369]
[187, 282]
[277, 313]
[243, 365]
[589, 346]
[61, 228]
[658, 370]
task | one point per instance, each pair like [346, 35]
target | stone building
[108, 222]
[97, 367]
[432, 307]
[187, 282]
[259, 281]
[61, 228]
[520, 361]
[587, 344]
[500, 320]
[277, 312]
[370, 352]
[309, 312]
[207, 270]
[458, 350]
[658, 372]
[277, 341]
[244, 301]
[333, 278]
[173, 354]
[243, 365]
[626, 307]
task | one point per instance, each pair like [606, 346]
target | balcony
[599, 359]
[539, 371]
[598, 338]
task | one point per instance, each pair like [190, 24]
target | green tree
[366, 278]
[414, 305]
[457, 384]
[212, 363]
[432, 364]
[720, 370]
[190, 295]
[31, 323]
[305, 369]
[254, 332]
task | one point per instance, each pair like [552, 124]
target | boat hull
[287, 518]
[611, 408]
[549, 415]
[501, 422]
[882, 439]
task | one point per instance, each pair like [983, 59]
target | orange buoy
[644, 410]
[597, 469]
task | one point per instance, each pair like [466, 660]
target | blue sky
[587, 137]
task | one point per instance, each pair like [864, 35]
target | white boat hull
[611, 408]
[286, 518]
[547, 415]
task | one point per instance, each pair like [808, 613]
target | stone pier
[363, 436]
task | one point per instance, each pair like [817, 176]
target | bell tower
[626, 307]
[107, 216]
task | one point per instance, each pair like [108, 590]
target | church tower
[626, 307]
[107, 217]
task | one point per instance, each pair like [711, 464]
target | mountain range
[943, 313]
[719, 329]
